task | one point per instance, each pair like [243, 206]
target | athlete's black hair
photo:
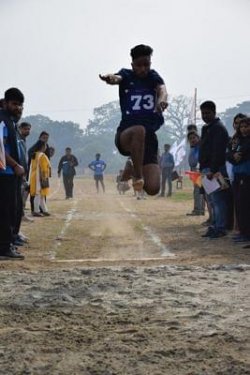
[68, 149]
[140, 50]
[208, 105]
[1, 103]
[14, 94]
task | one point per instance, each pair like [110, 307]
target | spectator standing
[240, 158]
[167, 166]
[9, 116]
[98, 166]
[212, 159]
[22, 133]
[193, 160]
[40, 172]
[67, 165]
[44, 137]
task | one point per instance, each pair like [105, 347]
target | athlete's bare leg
[151, 173]
[132, 140]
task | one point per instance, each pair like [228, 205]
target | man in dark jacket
[67, 165]
[212, 159]
[167, 166]
[12, 112]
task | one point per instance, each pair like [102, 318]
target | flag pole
[195, 104]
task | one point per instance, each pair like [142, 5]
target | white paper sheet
[210, 185]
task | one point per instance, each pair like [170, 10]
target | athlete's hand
[110, 79]
[161, 106]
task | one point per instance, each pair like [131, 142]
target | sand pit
[97, 294]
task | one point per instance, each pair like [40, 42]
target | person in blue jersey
[143, 98]
[98, 166]
[11, 174]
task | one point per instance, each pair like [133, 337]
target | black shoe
[46, 213]
[195, 213]
[217, 234]
[37, 214]
[11, 254]
[209, 232]
[246, 247]
[18, 242]
[206, 223]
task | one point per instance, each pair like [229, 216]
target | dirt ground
[115, 285]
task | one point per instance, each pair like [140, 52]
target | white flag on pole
[178, 152]
[192, 115]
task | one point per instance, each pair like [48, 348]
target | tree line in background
[100, 131]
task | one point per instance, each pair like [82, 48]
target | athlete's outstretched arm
[162, 98]
[111, 79]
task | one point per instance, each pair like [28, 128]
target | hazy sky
[53, 50]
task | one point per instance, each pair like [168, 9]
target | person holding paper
[212, 159]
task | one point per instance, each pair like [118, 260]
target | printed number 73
[142, 102]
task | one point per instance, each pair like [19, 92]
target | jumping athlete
[143, 98]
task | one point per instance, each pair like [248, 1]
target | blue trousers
[219, 204]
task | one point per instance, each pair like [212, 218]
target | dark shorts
[98, 177]
[151, 147]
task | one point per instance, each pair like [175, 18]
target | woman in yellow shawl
[40, 171]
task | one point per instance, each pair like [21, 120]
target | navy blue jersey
[138, 100]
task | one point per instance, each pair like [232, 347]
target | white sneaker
[27, 219]
[23, 237]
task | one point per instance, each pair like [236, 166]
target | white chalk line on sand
[165, 252]
[68, 219]
[107, 260]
